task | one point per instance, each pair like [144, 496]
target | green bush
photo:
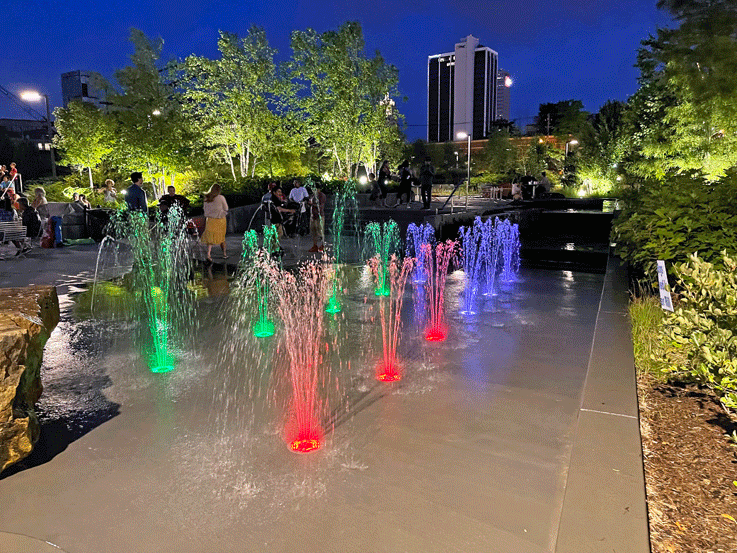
[669, 220]
[702, 329]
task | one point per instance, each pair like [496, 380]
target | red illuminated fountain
[390, 308]
[436, 267]
[300, 307]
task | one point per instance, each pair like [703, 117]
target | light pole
[461, 135]
[34, 96]
[572, 142]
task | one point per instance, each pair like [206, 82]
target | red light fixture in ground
[388, 373]
[435, 335]
[304, 445]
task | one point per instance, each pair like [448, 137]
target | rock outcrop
[27, 317]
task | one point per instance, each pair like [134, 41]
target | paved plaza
[517, 434]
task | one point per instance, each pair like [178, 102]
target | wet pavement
[469, 452]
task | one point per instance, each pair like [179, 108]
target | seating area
[12, 231]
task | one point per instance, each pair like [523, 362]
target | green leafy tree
[561, 118]
[348, 106]
[85, 136]
[600, 149]
[685, 114]
[242, 103]
[155, 135]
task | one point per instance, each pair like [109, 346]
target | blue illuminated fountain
[471, 261]
[417, 235]
[489, 255]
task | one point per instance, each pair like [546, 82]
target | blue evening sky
[555, 50]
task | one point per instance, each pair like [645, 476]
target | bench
[12, 231]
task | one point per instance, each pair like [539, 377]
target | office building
[461, 91]
[79, 86]
[503, 84]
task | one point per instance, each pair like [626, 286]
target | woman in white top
[216, 211]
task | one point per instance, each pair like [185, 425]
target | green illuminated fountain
[161, 268]
[382, 240]
[255, 276]
[346, 208]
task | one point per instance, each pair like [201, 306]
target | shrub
[702, 329]
[669, 220]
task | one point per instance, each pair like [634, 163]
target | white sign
[665, 300]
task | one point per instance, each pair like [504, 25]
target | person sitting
[84, 202]
[170, 199]
[543, 186]
[528, 188]
[30, 220]
[40, 203]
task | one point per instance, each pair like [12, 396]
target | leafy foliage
[685, 115]
[702, 328]
[669, 220]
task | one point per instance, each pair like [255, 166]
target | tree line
[330, 108]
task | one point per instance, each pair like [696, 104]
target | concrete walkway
[517, 434]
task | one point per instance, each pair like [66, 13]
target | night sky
[555, 50]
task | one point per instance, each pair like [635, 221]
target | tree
[348, 107]
[243, 103]
[600, 147]
[685, 113]
[85, 136]
[561, 118]
[155, 135]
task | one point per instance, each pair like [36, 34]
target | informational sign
[666, 302]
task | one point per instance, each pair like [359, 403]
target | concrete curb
[604, 507]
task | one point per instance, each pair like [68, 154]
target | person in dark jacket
[135, 196]
[30, 220]
[427, 172]
[405, 183]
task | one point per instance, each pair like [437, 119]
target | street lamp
[572, 142]
[34, 96]
[461, 135]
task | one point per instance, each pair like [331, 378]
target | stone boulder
[27, 317]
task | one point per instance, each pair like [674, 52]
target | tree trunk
[242, 159]
[248, 156]
[230, 161]
[337, 159]
[92, 186]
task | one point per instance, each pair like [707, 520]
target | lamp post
[572, 142]
[34, 96]
[461, 135]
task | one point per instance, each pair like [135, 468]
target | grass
[649, 348]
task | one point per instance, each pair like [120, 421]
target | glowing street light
[462, 135]
[156, 112]
[35, 96]
[572, 142]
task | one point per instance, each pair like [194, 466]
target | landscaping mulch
[690, 469]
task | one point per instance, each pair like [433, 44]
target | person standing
[298, 193]
[385, 177]
[135, 196]
[427, 172]
[110, 194]
[317, 218]
[216, 212]
[405, 183]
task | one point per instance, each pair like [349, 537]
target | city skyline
[553, 51]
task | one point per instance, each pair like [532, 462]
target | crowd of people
[407, 177]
